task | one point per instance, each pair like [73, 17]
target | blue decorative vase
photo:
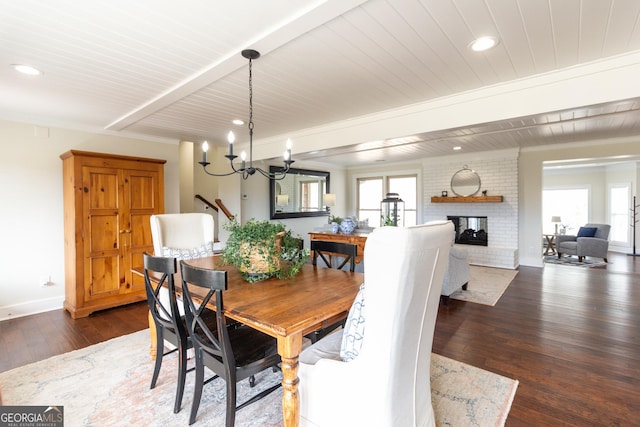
[335, 227]
[347, 226]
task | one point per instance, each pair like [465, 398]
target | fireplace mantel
[468, 199]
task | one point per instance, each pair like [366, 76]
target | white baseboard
[30, 307]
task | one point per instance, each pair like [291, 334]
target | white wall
[32, 213]
[186, 179]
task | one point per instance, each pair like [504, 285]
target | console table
[355, 238]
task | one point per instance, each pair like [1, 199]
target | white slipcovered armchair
[388, 382]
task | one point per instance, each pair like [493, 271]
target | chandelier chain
[250, 96]
[247, 171]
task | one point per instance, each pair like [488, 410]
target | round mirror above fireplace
[465, 182]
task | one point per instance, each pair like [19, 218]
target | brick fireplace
[498, 173]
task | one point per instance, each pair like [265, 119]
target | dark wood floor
[32, 338]
[570, 335]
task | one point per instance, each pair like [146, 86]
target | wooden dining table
[286, 309]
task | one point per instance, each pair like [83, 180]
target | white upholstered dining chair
[181, 236]
[376, 372]
[184, 231]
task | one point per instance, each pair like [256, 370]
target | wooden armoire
[108, 200]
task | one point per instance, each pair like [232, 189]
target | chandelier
[247, 170]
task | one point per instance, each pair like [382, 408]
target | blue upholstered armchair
[592, 240]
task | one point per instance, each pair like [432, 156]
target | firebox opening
[470, 230]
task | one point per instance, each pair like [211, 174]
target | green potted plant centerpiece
[263, 249]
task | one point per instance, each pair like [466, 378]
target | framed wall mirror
[465, 182]
[299, 194]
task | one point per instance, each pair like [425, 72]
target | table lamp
[556, 220]
[329, 199]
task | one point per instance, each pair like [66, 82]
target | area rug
[486, 285]
[107, 384]
[573, 261]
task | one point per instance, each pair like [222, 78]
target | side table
[550, 244]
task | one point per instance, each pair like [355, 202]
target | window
[570, 204]
[619, 213]
[371, 190]
[311, 194]
[405, 186]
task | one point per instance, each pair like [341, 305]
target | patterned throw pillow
[353, 329]
[206, 249]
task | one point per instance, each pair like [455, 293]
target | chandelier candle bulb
[243, 157]
[287, 155]
[205, 147]
[231, 138]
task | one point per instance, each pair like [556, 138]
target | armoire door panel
[101, 186]
[140, 242]
[103, 233]
[142, 190]
[137, 260]
[103, 280]
[140, 230]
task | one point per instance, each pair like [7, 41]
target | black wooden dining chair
[232, 353]
[326, 249]
[169, 324]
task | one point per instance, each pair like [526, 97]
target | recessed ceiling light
[483, 43]
[26, 69]
[457, 148]
[237, 122]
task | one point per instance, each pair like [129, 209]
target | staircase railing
[206, 202]
[224, 209]
[219, 202]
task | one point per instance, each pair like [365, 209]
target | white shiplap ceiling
[173, 70]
